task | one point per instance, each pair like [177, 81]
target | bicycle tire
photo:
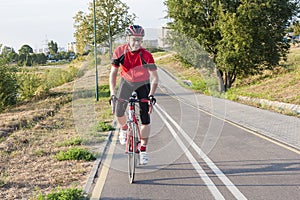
[132, 159]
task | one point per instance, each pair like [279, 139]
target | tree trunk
[220, 81]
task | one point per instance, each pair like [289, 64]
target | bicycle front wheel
[132, 157]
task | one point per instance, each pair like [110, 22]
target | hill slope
[281, 84]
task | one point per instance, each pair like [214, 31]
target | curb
[293, 108]
[93, 173]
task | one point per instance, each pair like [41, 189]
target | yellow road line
[104, 170]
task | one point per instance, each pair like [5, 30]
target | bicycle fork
[132, 135]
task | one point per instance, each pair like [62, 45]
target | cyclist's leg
[143, 92]
[124, 92]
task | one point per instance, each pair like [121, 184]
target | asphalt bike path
[197, 151]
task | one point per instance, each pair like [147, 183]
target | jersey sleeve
[118, 57]
[148, 61]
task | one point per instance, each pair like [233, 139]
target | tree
[40, 58]
[9, 54]
[25, 58]
[112, 18]
[52, 46]
[241, 36]
[25, 49]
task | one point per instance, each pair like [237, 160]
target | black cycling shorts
[124, 92]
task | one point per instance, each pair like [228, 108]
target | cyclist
[136, 68]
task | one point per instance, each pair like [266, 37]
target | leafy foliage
[242, 37]
[104, 91]
[29, 84]
[8, 86]
[25, 58]
[55, 77]
[75, 153]
[103, 126]
[66, 194]
[21, 84]
[52, 47]
[112, 18]
[8, 54]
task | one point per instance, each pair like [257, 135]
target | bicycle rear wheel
[132, 157]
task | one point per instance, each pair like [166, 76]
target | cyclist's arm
[154, 82]
[113, 79]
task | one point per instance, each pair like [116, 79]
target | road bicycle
[133, 140]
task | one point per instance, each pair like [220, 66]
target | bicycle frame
[133, 119]
[133, 139]
[134, 135]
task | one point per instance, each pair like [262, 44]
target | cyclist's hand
[112, 99]
[112, 102]
[152, 99]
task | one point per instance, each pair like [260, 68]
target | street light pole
[110, 40]
[95, 51]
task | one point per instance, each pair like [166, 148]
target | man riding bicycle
[136, 68]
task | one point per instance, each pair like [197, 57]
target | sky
[34, 22]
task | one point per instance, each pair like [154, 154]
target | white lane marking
[231, 187]
[275, 141]
[211, 186]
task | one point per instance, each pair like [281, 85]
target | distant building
[156, 37]
[150, 43]
[72, 47]
[44, 50]
[62, 49]
[162, 37]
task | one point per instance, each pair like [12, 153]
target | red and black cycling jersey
[135, 65]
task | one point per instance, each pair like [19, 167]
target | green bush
[66, 194]
[103, 126]
[199, 84]
[8, 86]
[104, 91]
[69, 75]
[30, 85]
[56, 77]
[75, 153]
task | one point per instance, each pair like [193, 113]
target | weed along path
[40, 138]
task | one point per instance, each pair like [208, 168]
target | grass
[281, 84]
[72, 142]
[38, 132]
[186, 75]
